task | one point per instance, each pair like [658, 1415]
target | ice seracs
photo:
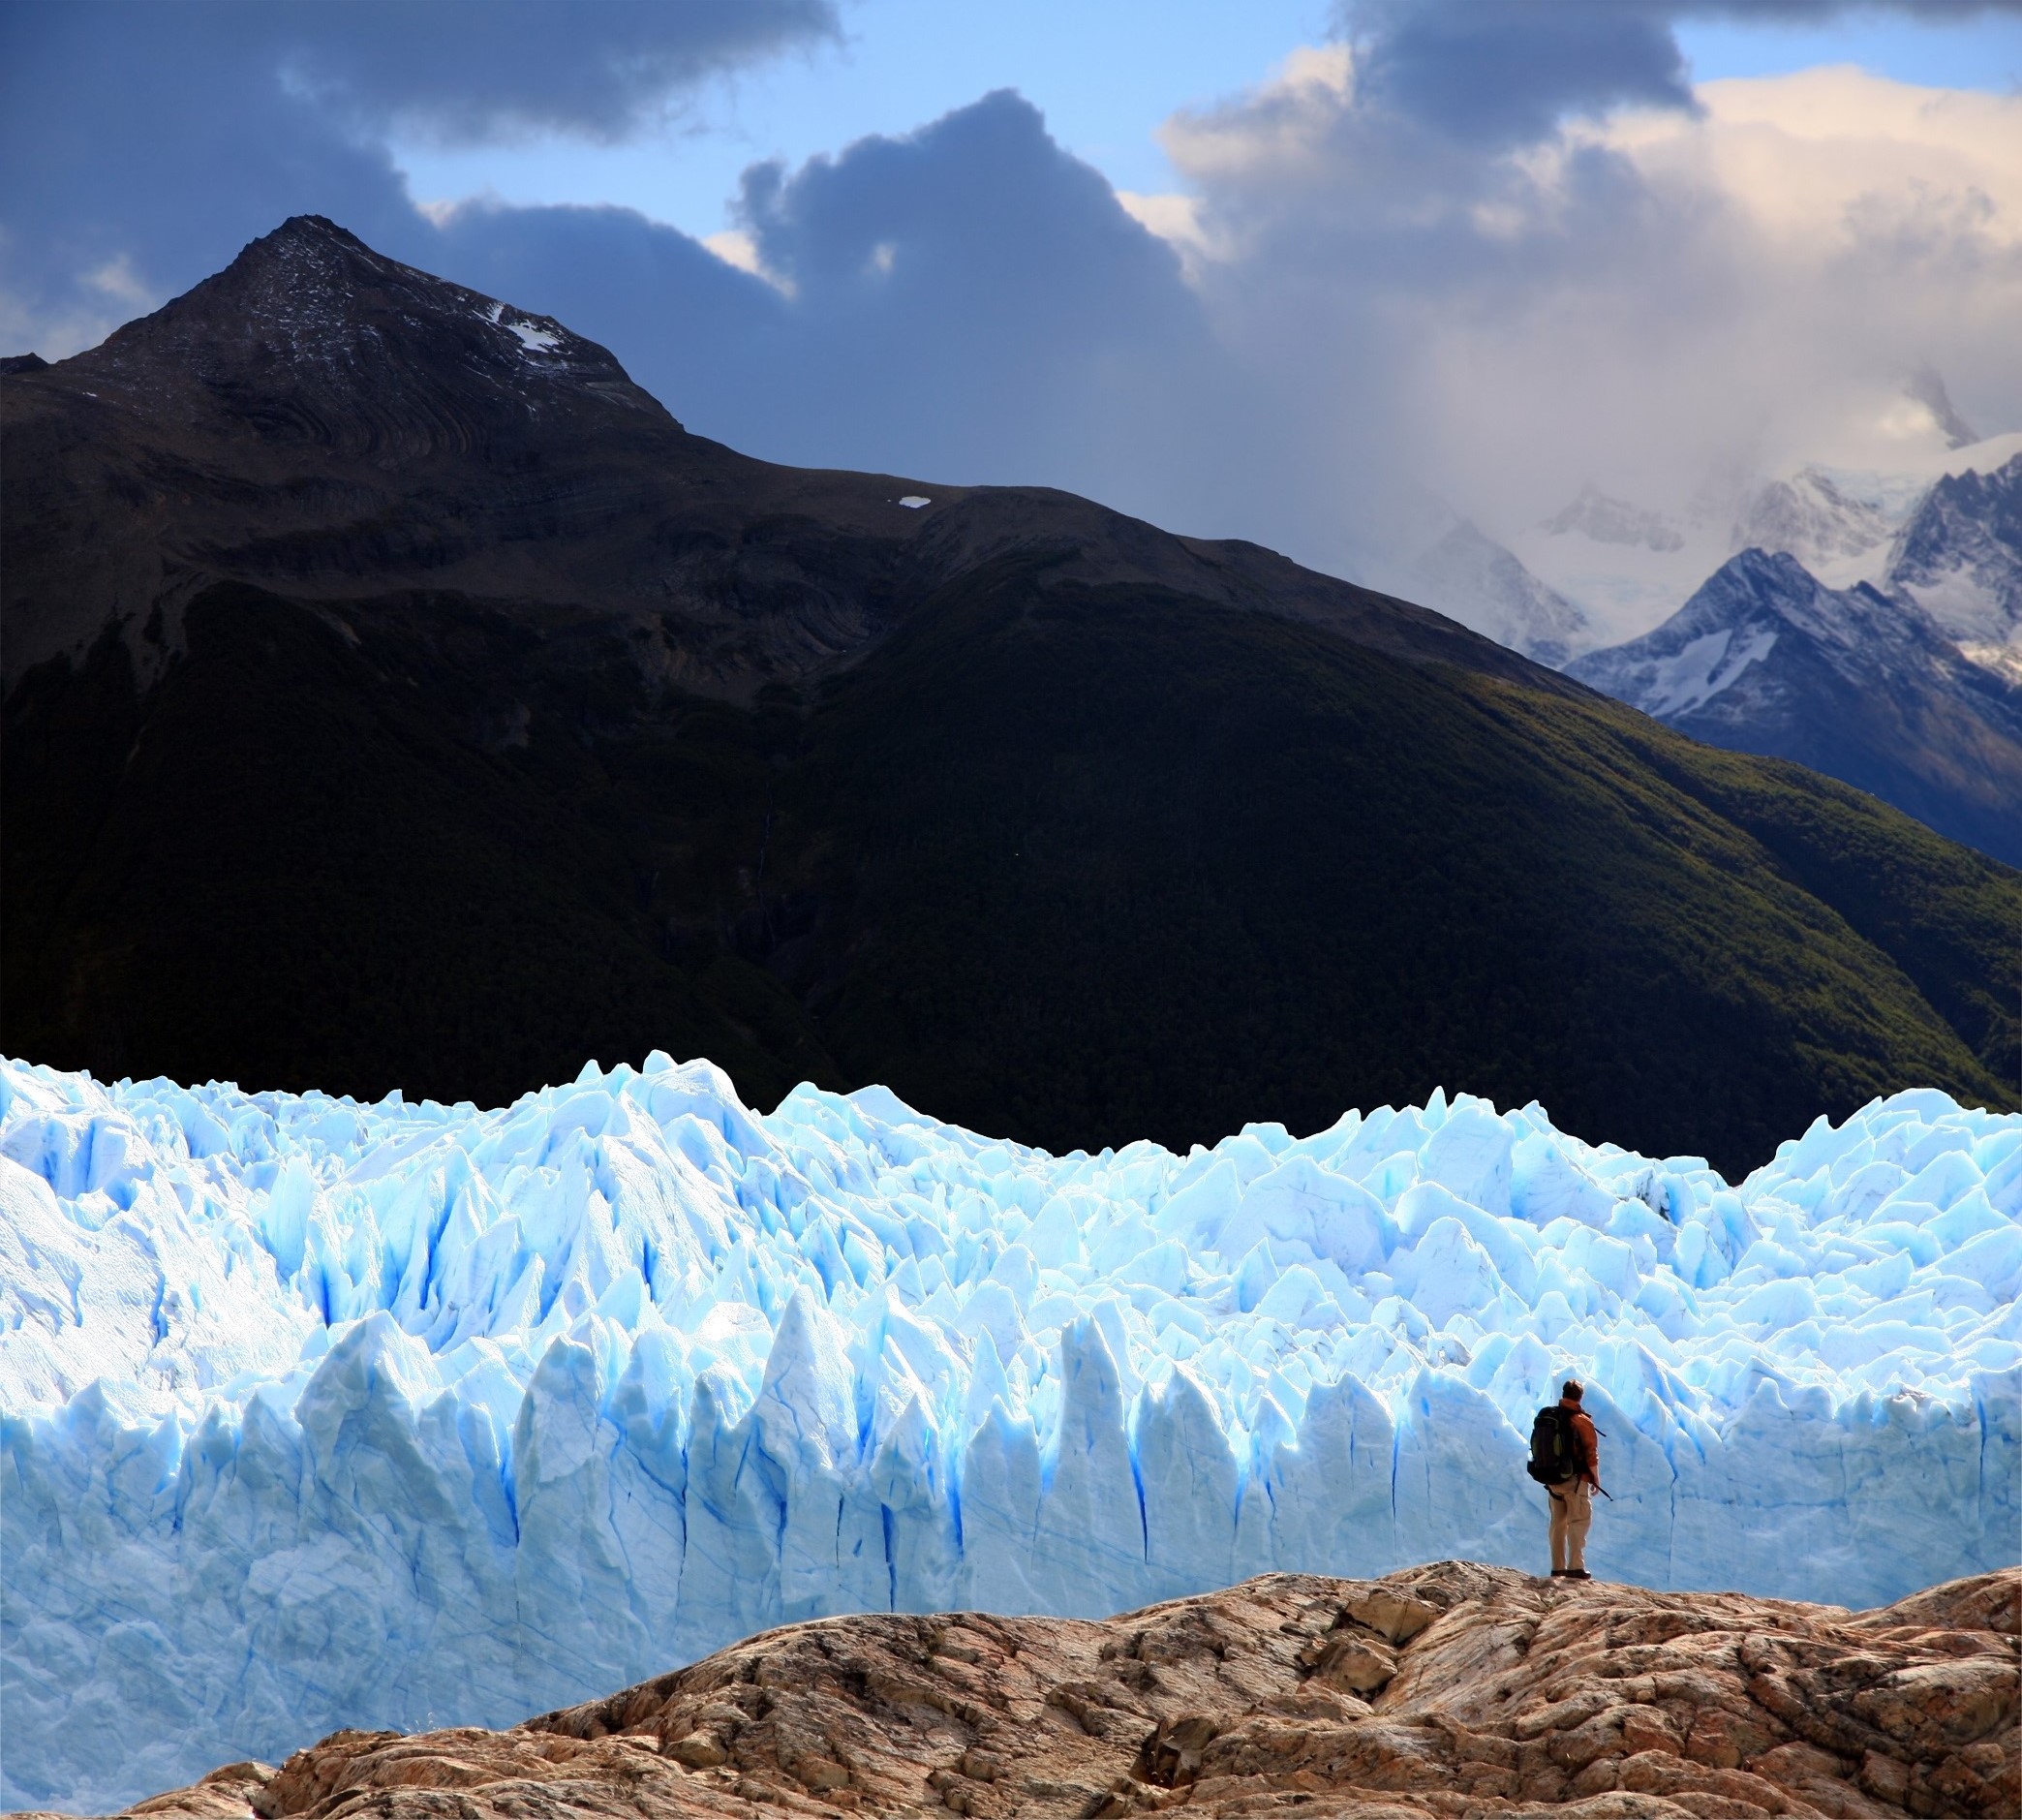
[316, 1414]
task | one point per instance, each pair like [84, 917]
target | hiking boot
[1575, 1573]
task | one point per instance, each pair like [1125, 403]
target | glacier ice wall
[315, 1413]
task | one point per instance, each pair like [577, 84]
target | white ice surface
[318, 1414]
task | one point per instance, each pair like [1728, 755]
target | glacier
[315, 1413]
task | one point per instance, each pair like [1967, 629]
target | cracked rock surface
[1452, 1689]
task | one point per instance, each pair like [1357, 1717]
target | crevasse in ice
[322, 1414]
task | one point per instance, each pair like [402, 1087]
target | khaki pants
[1572, 1512]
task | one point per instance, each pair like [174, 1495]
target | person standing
[1573, 1500]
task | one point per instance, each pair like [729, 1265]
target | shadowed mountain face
[396, 695]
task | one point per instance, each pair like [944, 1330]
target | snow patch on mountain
[1702, 667]
[316, 1414]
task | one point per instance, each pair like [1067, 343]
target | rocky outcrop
[1451, 1690]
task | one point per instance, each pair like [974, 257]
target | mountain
[1959, 558]
[398, 696]
[1813, 516]
[1449, 1684]
[1477, 581]
[1629, 567]
[1767, 659]
[1926, 387]
[1597, 516]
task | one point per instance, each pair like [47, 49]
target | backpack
[1554, 1452]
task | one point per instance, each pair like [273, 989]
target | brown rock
[1451, 1690]
[1357, 1665]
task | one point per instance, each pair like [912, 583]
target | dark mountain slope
[1061, 827]
[332, 425]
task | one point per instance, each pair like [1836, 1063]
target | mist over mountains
[398, 694]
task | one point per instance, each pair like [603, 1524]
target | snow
[536, 335]
[1703, 667]
[315, 1413]
[1629, 568]
[912, 501]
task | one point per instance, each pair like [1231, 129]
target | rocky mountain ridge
[325, 422]
[1958, 557]
[1450, 1690]
[1767, 659]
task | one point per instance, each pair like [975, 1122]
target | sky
[1313, 273]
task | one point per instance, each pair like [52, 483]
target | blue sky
[1106, 79]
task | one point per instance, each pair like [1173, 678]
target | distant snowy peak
[1608, 520]
[1812, 516]
[1736, 619]
[1471, 577]
[1959, 558]
[1862, 685]
[1628, 567]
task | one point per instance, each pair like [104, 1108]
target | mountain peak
[339, 343]
[1605, 519]
[1766, 658]
[1924, 386]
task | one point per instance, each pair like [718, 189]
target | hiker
[1566, 1459]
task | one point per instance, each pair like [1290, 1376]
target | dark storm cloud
[1505, 71]
[476, 69]
[141, 144]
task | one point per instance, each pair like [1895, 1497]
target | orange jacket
[1590, 1442]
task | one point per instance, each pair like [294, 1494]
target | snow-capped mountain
[1604, 519]
[1765, 658]
[1815, 518]
[1471, 577]
[1938, 526]
[1959, 557]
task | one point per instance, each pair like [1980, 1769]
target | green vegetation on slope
[1069, 864]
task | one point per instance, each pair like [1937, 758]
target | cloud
[1644, 296]
[474, 70]
[967, 302]
[167, 135]
[1503, 72]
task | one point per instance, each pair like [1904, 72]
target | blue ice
[315, 1413]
